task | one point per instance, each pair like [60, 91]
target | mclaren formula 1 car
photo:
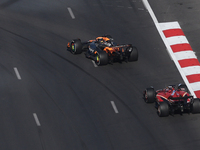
[104, 50]
[172, 99]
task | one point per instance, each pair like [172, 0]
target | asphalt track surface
[53, 100]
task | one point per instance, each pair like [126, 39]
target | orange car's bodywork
[100, 38]
[115, 49]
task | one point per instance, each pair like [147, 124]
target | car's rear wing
[179, 98]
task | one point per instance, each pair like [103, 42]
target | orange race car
[103, 50]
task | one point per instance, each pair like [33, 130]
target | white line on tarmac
[94, 63]
[148, 7]
[114, 107]
[71, 13]
[36, 119]
[17, 73]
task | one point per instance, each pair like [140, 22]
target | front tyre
[76, 46]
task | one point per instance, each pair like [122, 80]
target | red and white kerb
[183, 55]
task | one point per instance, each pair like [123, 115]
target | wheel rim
[146, 97]
[97, 59]
[73, 47]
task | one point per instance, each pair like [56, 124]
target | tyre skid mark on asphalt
[57, 55]
[135, 116]
[61, 110]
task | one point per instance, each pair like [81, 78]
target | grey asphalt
[71, 97]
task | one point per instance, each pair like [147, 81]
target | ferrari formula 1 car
[103, 50]
[172, 100]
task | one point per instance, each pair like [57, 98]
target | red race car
[172, 100]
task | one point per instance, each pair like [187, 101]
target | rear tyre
[101, 58]
[149, 95]
[163, 109]
[196, 106]
[76, 46]
[133, 55]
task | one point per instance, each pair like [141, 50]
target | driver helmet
[100, 40]
[108, 43]
[170, 88]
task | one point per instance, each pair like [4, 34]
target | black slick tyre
[163, 109]
[76, 46]
[101, 58]
[133, 55]
[196, 106]
[149, 95]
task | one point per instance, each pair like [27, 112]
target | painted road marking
[140, 8]
[176, 42]
[36, 119]
[191, 70]
[148, 7]
[185, 55]
[170, 25]
[181, 47]
[195, 86]
[95, 65]
[71, 13]
[188, 64]
[173, 32]
[114, 107]
[17, 73]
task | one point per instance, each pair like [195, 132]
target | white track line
[185, 55]
[94, 63]
[177, 40]
[17, 73]
[36, 119]
[195, 86]
[148, 7]
[114, 107]
[165, 25]
[71, 13]
[191, 70]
